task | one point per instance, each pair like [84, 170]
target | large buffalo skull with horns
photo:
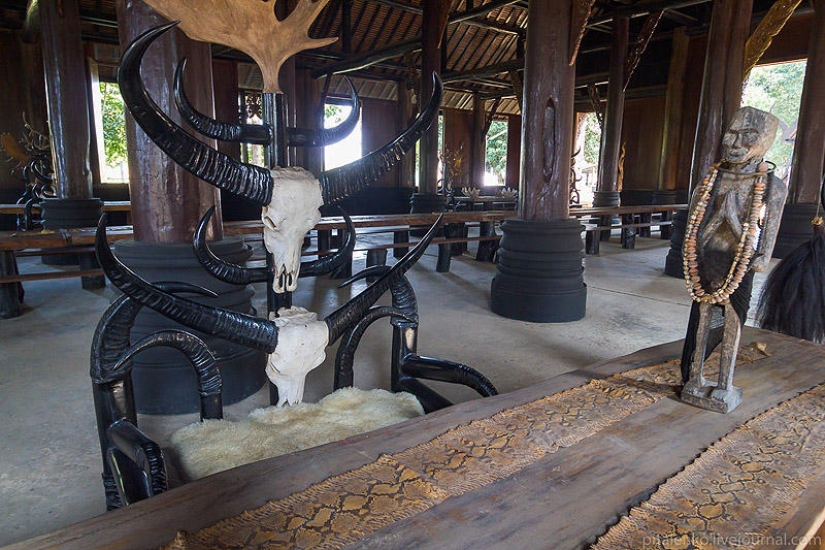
[289, 197]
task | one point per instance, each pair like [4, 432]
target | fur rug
[211, 446]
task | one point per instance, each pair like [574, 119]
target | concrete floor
[49, 455]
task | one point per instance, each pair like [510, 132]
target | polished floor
[49, 455]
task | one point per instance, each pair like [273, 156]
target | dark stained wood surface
[168, 201]
[68, 101]
[22, 240]
[806, 175]
[564, 500]
[611, 147]
[547, 113]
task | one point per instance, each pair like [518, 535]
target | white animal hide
[292, 212]
[205, 448]
[302, 342]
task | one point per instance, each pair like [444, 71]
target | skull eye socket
[269, 224]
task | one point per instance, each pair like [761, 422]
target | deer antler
[249, 26]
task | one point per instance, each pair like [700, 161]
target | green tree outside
[778, 90]
[114, 124]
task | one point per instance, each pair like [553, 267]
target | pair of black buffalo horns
[245, 180]
[242, 329]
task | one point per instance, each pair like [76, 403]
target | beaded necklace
[744, 249]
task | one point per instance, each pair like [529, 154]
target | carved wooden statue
[732, 225]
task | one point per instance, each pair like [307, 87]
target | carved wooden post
[435, 20]
[607, 193]
[513, 150]
[479, 143]
[539, 274]
[674, 105]
[721, 90]
[167, 204]
[68, 110]
[809, 148]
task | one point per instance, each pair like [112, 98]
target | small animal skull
[292, 212]
[302, 342]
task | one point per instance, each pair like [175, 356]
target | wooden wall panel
[642, 131]
[379, 126]
[11, 111]
[458, 135]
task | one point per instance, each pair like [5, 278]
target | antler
[249, 26]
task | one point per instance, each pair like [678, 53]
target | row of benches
[598, 222]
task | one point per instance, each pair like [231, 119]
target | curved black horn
[230, 325]
[257, 134]
[219, 268]
[344, 181]
[305, 137]
[403, 295]
[111, 337]
[245, 180]
[330, 262]
[350, 313]
[345, 357]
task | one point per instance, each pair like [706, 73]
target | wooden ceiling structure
[483, 48]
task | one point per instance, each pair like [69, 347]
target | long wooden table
[588, 477]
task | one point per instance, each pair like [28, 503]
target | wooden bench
[635, 220]
[452, 241]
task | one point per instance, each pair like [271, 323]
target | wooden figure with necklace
[732, 225]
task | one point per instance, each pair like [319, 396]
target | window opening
[778, 89]
[495, 162]
[348, 149]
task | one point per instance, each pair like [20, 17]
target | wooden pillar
[478, 155]
[167, 201]
[809, 149]
[513, 150]
[406, 114]
[67, 98]
[547, 114]
[539, 276]
[167, 204]
[435, 21]
[674, 107]
[721, 81]
[607, 193]
[721, 91]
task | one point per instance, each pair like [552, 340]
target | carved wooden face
[749, 136]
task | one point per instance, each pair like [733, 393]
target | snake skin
[347, 507]
[735, 494]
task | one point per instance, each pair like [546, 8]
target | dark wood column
[478, 154]
[539, 275]
[721, 95]
[167, 201]
[607, 193]
[674, 108]
[67, 98]
[406, 113]
[167, 204]
[434, 22]
[513, 151]
[547, 113]
[809, 149]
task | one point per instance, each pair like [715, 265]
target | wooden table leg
[11, 294]
[628, 233]
[486, 249]
[400, 236]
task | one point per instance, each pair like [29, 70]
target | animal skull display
[292, 212]
[290, 199]
[302, 342]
